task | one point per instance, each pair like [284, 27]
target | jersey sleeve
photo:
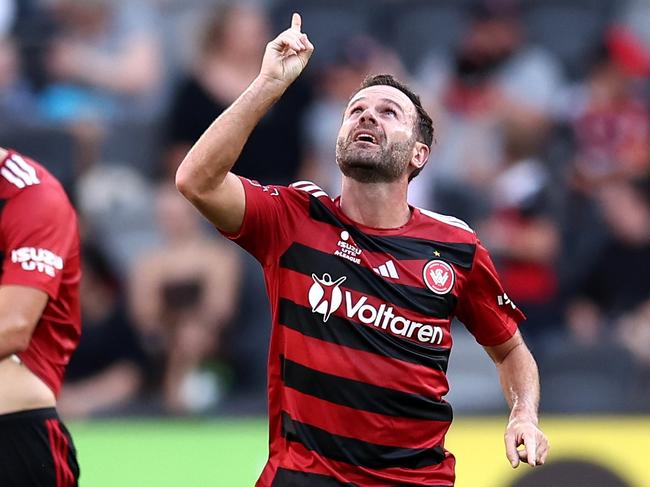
[39, 228]
[270, 214]
[484, 306]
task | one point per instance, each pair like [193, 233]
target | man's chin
[365, 172]
[363, 175]
[358, 165]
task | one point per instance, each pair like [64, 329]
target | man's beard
[380, 164]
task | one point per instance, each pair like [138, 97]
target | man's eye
[390, 111]
[356, 110]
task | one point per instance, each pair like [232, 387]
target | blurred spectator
[610, 115]
[357, 57]
[619, 282]
[116, 202]
[494, 68]
[228, 60]
[105, 62]
[607, 338]
[493, 75]
[183, 294]
[521, 233]
[108, 369]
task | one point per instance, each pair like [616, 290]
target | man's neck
[377, 205]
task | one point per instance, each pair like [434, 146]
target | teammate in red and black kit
[363, 289]
[39, 323]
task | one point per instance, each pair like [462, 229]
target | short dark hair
[424, 122]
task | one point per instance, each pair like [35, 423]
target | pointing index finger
[296, 21]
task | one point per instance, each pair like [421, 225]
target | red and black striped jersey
[361, 336]
[39, 242]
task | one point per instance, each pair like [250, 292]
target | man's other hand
[535, 444]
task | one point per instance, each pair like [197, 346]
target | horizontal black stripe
[398, 246]
[359, 395]
[357, 452]
[366, 338]
[306, 260]
[293, 478]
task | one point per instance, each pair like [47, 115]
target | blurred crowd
[542, 127]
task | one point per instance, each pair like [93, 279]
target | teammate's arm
[20, 309]
[203, 177]
[520, 382]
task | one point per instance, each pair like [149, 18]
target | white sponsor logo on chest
[326, 298]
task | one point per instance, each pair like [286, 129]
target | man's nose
[368, 116]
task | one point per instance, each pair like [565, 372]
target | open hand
[287, 55]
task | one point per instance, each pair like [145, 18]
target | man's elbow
[185, 183]
[196, 185]
[181, 182]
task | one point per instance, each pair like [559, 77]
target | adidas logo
[387, 270]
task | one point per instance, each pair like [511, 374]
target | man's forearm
[20, 310]
[213, 155]
[520, 382]
[12, 340]
[203, 176]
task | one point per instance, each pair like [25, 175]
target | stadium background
[543, 146]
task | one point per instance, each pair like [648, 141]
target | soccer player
[363, 289]
[39, 323]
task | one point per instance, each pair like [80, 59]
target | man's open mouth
[365, 137]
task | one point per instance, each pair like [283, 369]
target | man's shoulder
[450, 226]
[301, 189]
[44, 203]
[299, 198]
[18, 173]
[309, 188]
[303, 195]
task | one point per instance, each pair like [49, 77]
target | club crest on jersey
[324, 295]
[438, 276]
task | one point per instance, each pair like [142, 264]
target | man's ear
[420, 156]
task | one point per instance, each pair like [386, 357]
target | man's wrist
[523, 415]
[268, 86]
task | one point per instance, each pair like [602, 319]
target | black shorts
[36, 450]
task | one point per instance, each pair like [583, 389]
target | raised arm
[204, 176]
[520, 382]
